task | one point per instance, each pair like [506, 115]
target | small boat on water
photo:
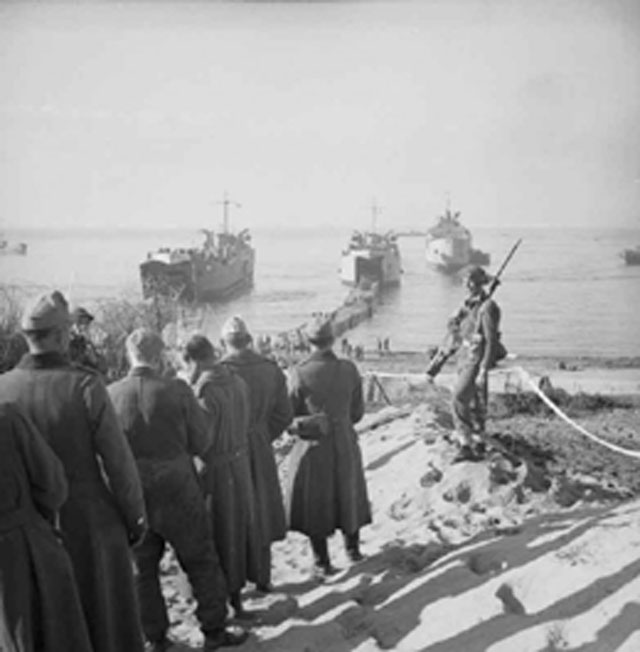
[371, 257]
[632, 256]
[449, 245]
[12, 248]
[222, 267]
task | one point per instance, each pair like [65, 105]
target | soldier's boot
[322, 567]
[227, 637]
[239, 611]
[352, 546]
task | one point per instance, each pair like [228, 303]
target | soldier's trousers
[183, 522]
[467, 404]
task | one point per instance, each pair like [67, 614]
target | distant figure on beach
[82, 349]
[270, 415]
[39, 604]
[224, 397]
[479, 334]
[167, 429]
[326, 485]
[104, 513]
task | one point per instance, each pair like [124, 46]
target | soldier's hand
[137, 532]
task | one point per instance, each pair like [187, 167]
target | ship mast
[226, 202]
[375, 211]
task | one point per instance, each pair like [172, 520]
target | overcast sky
[526, 112]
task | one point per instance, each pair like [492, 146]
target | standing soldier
[104, 513]
[39, 604]
[327, 485]
[224, 397]
[479, 321]
[82, 350]
[166, 429]
[270, 415]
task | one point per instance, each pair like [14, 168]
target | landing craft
[631, 256]
[12, 248]
[449, 245]
[222, 267]
[371, 257]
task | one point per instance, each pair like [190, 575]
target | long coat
[326, 484]
[270, 415]
[39, 604]
[224, 397]
[71, 408]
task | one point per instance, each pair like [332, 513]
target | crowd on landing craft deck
[97, 481]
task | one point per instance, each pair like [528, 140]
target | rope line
[547, 401]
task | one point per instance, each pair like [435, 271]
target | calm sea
[566, 291]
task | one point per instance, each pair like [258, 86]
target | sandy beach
[533, 549]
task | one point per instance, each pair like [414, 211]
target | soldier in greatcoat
[270, 415]
[167, 429]
[39, 604]
[479, 333]
[104, 513]
[327, 488]
[224, 397]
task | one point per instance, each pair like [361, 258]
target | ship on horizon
[221, 268]
[8, 248]
[371, 257]
[449, 244]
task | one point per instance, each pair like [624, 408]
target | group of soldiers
[96, 481]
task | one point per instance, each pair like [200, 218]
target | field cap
[320, 330]
[45, 312]
[233, 327]
[478, 275]
[81, 313]
[145, 344]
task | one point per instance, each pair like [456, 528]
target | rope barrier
[543, 397]
[549, 403]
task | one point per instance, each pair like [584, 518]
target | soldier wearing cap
[327, 488]
[39, 604]
[479, 321]
[82, 350]
[224, 397]
[270, 415]
[167, 429]
[104, 513]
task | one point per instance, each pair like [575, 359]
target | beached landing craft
[632, 256]
[371, 257]
[12, 248]
[222, 267]
[449, 245]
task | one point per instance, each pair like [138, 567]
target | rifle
[451, 341]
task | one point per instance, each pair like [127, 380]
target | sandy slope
[468, 556]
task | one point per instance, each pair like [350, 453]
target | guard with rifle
[474, 335]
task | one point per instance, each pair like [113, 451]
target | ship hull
[448, 254]
[356, 266]
[198, 280]
[15, 249]
[631, 256]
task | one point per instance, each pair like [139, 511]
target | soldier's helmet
[478, 276]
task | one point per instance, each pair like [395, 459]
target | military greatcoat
[71, 408]
[39, 605]
[224, 396]
[327, 489]
[270, 415]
